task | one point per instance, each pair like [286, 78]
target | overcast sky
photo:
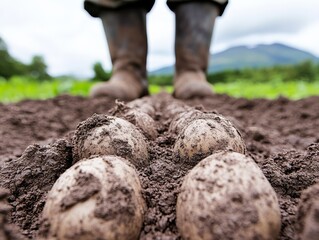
[71, 41]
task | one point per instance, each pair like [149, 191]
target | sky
[71, 41]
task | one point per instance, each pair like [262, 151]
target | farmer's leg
[125, 27]
[194, 27]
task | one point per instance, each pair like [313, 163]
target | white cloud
[251, 17]
[71, 41]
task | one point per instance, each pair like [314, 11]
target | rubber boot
[126, 36]
[194, 28]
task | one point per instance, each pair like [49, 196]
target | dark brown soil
[282, 137]
[308, 213]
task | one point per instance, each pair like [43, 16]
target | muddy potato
[226, 196]
[202, 137]
[141, 120]
[175, 108]
[137, 117]
[182, 119]
[143, 105]
[97, 198]
[105, 135]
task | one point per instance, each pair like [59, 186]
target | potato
[143, 121]
[226, 196]
[105, 135]
[175, 108]
[97, 198]
[138, 118]
[204, 136]
[308, 214]
[182, 119]
[143, 105]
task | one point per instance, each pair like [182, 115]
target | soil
[308, 213]
[36, 148]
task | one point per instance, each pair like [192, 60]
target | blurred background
[52, 47]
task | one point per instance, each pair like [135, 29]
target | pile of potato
[225, 196]
[100, 196]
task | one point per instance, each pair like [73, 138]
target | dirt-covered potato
[143, 105]
[182, 119]
[97, 198]
[174, 108]
[143, 121]
[206, 135]
[106, 135]
[226, 196]
[308, 214]
[138, 118]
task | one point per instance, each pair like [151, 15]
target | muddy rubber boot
[126, 36]
[194, 28]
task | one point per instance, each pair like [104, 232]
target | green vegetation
[20, 81]
[306, 71]
[271, 90]
[19, 88]
[9, 66]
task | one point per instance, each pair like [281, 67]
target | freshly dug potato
[174, 108]
[226, 196]
[143, 105]
[182, 119]
[97, 198]
[137, 117]
[308, 214]
[206, 135]
[140, 119]
[105, 135]
[143, 121]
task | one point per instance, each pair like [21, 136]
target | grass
[271, 90]
[19, 88]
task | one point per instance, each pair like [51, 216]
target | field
[275, 109]
[19, 88]
[36, 147]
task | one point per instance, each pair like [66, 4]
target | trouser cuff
[222, 4]
[96, 7]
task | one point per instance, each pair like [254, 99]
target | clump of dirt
[281, 136]
[161, 182]
[289, 174]
[30, 177]
[7, 231]
[308, 213]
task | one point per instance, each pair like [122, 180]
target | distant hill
[251, 57]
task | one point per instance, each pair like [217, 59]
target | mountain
[251, 57]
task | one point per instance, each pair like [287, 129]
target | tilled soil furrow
[280, 135]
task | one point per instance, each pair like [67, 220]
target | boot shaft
[194, 28]
[125, 30]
